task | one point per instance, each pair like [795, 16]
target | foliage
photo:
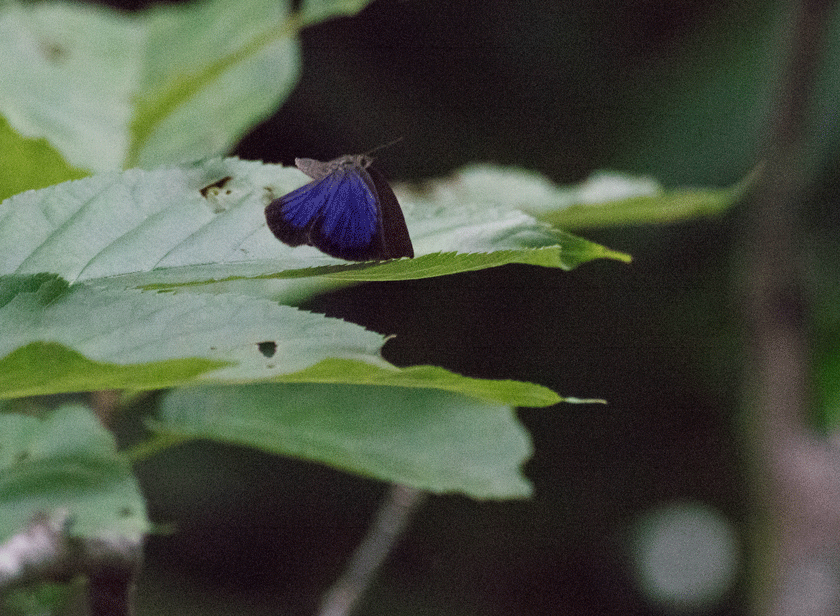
[157, 271]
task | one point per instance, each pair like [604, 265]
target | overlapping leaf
[106, 236]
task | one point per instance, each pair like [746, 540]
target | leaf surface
[67, 461]
[435, 441]
[162, 227]
[110, 90]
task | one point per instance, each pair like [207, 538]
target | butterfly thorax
[318, 170]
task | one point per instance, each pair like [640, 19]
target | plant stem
[796, 473]
[391, 519]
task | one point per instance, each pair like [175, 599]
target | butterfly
[348, 211]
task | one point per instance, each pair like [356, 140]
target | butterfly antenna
[379, 147]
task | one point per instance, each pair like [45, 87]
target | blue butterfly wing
[339, 214]
[291, 217]
[351, 223]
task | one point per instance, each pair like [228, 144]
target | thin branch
[797, 473]
[391, 519]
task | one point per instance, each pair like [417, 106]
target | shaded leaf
[435, 441]
[67, 461]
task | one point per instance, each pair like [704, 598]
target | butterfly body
[348, 211]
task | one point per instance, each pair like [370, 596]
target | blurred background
[640, 506]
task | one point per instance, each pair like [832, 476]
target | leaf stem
[154, 445]
[391, 520]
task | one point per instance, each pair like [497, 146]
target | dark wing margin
[397, 241]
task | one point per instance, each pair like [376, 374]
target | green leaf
[143, 228]
[67, 76]
[28, 164]
[313, 11]
[58, 338]
[213, 70]
[431, 440]
[67, 461]
[614, 199]
[515, 393]
[61, 338]
[570, 252]
[565, 256]
[83, 326]
[64, 339]
[44, 599]
[827, 368]
[109, 89]
[48, 368]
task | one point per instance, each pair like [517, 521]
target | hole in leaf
[267, 348]
[215, 188]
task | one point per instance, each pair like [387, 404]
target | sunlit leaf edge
[48, 368]
[425, 266]
[41, 368]
[514, 393]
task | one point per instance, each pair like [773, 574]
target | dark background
[678, 90]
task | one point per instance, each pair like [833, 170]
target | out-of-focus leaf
[312, 11]
[171, 83]
[67, 461]
[27, 164]
[605, 199]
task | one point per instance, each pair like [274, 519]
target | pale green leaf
[108, 233]
[160, 228]
[613, 199]
[435, 441]
[58, 338]
[110, 89]
[67, 461]
[62, 83]
[63, 339]
[211, 71]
